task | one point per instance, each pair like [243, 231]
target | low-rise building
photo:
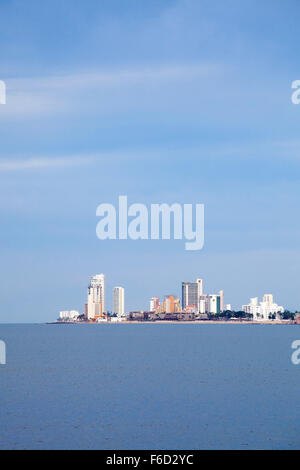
[68, 315]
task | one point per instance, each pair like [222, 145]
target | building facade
[210, 303]
[262, 310]
[68, 315]
[191, 292]
[96, 296]
[171, 304]
[118, 300]
[154, 304]
[221, 294]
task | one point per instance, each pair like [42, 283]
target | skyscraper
[96, 296]
[221, 294]
[154, 304]
[118, 300]
[171, 304]
[191, 292]
[214, 303]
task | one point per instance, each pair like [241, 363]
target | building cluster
[170, 304]
[66, 315]
[263, 310]
[193, 300]
[94, 308]
[194, 305]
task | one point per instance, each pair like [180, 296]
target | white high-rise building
[200, 286]
[262, 310]
[214, 303]
[221, 294]
[118, 300]
[96, 296]
[203, 304]
[210, 303]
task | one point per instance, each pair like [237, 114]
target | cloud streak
[103, 90]
[42, 163]
[269, 151]
[117, 76]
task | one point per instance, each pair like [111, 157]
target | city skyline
[150, 237]
[193, 302]
[197, 110]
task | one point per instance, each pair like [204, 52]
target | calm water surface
[149, 386]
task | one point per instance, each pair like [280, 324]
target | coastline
[176, 322]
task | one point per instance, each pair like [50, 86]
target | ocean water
[149, 386]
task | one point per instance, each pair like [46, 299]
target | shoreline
[176, 322]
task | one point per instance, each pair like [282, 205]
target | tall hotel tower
[118, 300]
[191, 292]
[96, 296]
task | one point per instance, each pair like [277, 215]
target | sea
[149, 386]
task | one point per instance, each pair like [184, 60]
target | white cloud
[42, 163]
[104, 90]
[22, 163]
[115, 76]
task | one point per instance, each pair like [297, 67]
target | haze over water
[144, 386]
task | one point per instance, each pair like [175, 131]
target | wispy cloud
[263, 150]
[116, 76]
[104, 89]
[42, 163]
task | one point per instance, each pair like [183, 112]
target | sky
[166, 101]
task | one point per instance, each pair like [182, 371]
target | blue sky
[164, 101]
